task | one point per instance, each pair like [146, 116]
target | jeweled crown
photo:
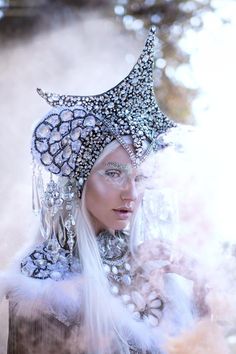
[73, 134]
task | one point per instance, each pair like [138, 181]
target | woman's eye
[113, 173]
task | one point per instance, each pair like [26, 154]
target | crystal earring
[37, 188]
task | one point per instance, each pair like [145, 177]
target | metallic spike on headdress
[71, 137]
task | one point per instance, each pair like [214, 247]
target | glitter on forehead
[121, 166]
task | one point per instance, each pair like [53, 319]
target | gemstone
[46, 159]
[54, 169]
[114, 270]
[134, 80]
[87, 155]
[42, 146]
[126, 279]
[81, 181]
[55, 97]
[65, 141]
[55, 136]
[66, 170]
[53, 120]
[58, 159]
[110, 105]
[43, 131]
[59, 202]
[64, 128]
[69, 207]
[79, 113]
[72, 161]
[75, 134]
[66, 115]
[76, 146]
[40, 262]
[66, 152]
[106, 268]
[127, 266]
[89, 121]
[76, 123]
[54, 148]
[51, 186]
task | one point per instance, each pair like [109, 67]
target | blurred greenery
[23, 18]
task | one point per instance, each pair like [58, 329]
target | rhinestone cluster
[71, 137]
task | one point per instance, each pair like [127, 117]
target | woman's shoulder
[49, 260]
[41, 277]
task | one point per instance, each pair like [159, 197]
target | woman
[96, 284]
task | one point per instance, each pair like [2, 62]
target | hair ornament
[73, 134]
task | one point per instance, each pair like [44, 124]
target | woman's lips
[123, 214]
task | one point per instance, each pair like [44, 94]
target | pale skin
[113, 192]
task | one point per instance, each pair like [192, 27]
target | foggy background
[87, 47]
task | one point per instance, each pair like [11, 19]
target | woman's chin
[120, 225]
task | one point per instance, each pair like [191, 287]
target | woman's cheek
[101, 189]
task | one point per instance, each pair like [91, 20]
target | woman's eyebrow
[119, 165]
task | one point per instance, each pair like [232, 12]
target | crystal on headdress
[75, 134]
[89, 121]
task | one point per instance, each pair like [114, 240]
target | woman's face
[114, 191]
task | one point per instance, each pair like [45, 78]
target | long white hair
[101, 330]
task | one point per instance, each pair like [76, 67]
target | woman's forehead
[120, 159]
[119, 156]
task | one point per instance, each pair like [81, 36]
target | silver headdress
[73, 134]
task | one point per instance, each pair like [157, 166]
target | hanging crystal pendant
[71, 243]
[36, 202]
[61, 232]
[40, 183]
[45, 224]
[69, 225]
[53, 245]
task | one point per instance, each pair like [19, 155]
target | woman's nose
[129, 190]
